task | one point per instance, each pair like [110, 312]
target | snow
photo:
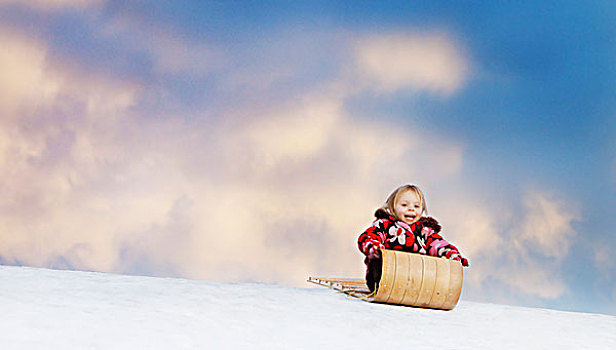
[49, 309]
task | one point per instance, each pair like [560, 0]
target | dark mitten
[373, 276]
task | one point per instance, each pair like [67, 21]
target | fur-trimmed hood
[425, 221]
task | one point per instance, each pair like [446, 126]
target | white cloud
[431, 62]
[292, 135]
[533, 280]
[24, 80]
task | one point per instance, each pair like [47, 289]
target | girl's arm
[438, 246]
[371, 241]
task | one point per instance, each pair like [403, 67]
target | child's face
[408, 208]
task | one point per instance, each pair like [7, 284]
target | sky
[252, 141]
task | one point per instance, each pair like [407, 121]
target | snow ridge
[50, 309]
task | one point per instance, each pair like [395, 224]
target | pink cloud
[269, 197]
[53, 5]
[520, 242]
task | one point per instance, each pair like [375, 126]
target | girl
[400, 225]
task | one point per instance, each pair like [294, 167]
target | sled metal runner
[407, 279]
[351, 286]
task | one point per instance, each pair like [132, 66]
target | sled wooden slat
[441, 288]
[402, 279]
[388, 278]
[455, 286]
[427, 285]
[415, 279]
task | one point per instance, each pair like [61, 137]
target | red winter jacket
[420, 237]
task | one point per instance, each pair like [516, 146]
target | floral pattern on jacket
[420, 237]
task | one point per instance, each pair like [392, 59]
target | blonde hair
[392, 200]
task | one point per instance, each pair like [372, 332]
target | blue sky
[246, 141]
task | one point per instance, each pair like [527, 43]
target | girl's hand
[459, 258]
[374, 251]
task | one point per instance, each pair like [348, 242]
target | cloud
[269, 189]
[531, 280]
[301, 182]
[539, 242]
[275, 192]
[604, 257]
[52, 5]
[605, 264]
[432, 62]
[169, 50]
[55, 120]
[272, 193]
[547, 225]
[472, 227]
[518, 241]
[536, 244]
[25, 82]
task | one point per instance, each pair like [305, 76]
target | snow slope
[48, 309]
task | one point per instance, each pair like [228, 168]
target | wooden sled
[407, 279]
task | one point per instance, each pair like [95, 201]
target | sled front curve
[419, 280]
